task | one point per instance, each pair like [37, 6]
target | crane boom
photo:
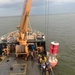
[24, 23]
[24, 26]
[24, 20]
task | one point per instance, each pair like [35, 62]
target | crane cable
[46, 24]
[46, 20]
[30, 25]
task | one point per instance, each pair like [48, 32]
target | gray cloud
[18, 6]
[15, 7]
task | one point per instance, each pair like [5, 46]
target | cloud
[11, 7]
[15, 7]
[61, 0]
[4, 1]
[10, 1]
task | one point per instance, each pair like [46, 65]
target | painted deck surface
[29, 67]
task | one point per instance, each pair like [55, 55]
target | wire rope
[46, 20]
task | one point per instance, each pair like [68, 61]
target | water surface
[60, 28]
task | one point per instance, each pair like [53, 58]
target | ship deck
[30, 67]
[20, 66]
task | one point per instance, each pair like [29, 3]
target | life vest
[43, 61]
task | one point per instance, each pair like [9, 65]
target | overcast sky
[15, 7]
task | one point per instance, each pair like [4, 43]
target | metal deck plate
[19, 70]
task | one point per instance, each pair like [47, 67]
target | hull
[11, 65]
[33, 38]
[20, 65]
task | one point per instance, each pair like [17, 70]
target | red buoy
[54, 48]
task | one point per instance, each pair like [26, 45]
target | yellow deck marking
[19, 73]
[2, 57]
[25, 69]
[19, 64]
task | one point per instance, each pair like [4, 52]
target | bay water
[59, 27]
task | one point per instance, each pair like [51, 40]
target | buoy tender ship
[19, 43]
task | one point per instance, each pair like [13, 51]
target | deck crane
[23, 28]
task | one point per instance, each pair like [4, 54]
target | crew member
[48, 65]
[43, 59]
[32, 51]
